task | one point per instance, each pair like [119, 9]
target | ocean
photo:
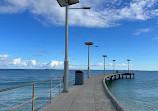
[138, 94]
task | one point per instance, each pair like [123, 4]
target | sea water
[139, 93]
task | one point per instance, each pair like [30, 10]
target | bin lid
[79, 71]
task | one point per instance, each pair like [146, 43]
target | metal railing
[33, 91]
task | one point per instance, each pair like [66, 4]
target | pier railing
[33, 90]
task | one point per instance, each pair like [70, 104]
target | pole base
[66, 74]
[65, 91]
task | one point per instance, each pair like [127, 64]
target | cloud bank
[104, 13]
[111, 64]
[6, 63]
[18, 63]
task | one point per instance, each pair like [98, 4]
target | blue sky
[32, 34]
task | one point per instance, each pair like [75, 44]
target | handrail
[26, 85]
[33, 92]
[71, 81]
[15, 87]
[21, 105]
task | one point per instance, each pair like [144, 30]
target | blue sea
[138, 94]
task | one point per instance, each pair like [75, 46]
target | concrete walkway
[87, 97]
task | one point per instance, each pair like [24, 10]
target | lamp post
[66, 3]
[88, 43]
[114, 65]
[128, 64]
[104, 62]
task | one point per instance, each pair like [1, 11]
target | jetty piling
[114, 76]
[119, 76]
[111, 78]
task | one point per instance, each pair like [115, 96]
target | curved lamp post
[114, 65]
[66, 3]
[104, 62]
[128, 64]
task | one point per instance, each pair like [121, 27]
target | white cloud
[55, 64]
[100, 64]
[140, 31]
[4, 57]
[31, 62]
[104, 13]
[5, 62]
[123, 65]
[111, 64]
[19, 62]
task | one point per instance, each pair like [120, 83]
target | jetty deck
[87, 97]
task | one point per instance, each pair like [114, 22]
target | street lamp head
[62, 3]
[114, 60]
[104, 55]
[88, 43]
[128, 60]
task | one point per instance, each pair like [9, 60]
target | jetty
[120, 75]
[93, 95]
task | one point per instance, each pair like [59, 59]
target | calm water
[138, 94]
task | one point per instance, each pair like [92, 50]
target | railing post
[33, 95]
[60, 86]
[71, 80]
[63, 79]
[51, 91]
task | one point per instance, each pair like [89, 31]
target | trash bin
[79, 77]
